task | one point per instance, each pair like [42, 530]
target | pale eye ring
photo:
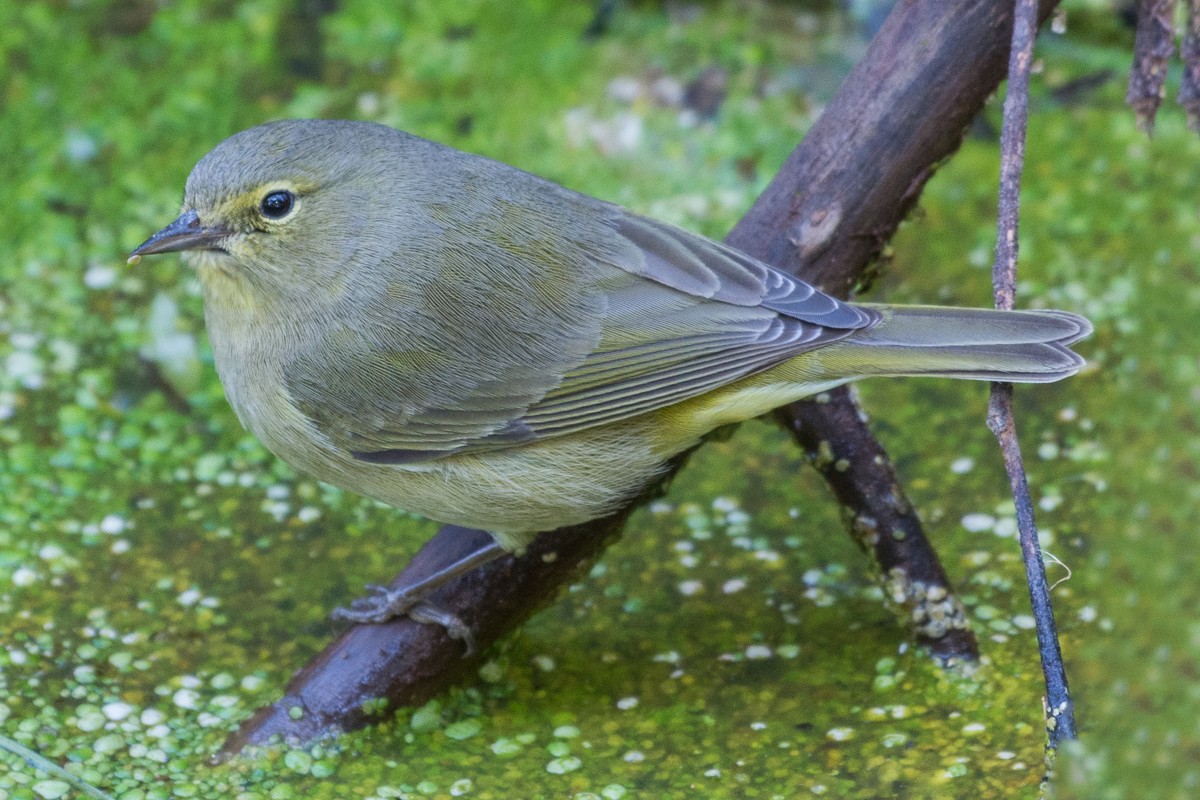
[277, 204]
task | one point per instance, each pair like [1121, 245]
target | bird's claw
[380, 605]
[383, 604]
[429, 614]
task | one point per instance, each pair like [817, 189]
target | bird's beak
[185, 233]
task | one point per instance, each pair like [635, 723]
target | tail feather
[980, 344]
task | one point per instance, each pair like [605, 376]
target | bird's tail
[976, 343]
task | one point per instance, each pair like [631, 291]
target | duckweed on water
[161, 575]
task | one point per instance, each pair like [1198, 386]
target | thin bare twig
[1060, 713]
[1189, 86]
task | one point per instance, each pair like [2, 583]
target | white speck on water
[1047, 451]
[626, 703]
[79, 146]
[25, 368]
[691, 588]
[961, 466]
[51, 789]
[117, 711]
[368, 104]
[112, 524]
[1050, 502]
[624, 89]
[634, 756]
[100, 276]
[24, 576]
[50, 552]
[725, 504]
[23, 340]
[840, 734]
[278, 509]
[1005, 527]
[186, 698]
[733, 585]
[620, 133]
[757, 652]
[978, 522]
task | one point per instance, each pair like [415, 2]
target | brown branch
[838, 442]
[1060, 722]
[826, 215]
[1152, 48]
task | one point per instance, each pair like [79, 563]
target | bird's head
[284, 209]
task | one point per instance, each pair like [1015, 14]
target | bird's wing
[664, 315]
[702, 316]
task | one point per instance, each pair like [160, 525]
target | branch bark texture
[826, 216]
[1152, 49]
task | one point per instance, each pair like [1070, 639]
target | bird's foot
[382, 604]
[429, 614]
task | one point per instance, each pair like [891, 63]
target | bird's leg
[384, 603]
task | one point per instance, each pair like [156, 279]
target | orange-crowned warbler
[473, 343]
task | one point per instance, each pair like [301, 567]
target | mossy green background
[161, 575]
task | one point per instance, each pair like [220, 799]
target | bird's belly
[516, 492]
[512, 492]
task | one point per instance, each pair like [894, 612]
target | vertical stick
[1060, 714]
[1152, 49]
[1189, 85]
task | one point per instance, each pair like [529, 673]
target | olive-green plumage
[470, 342]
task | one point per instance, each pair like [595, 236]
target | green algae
[161, 575]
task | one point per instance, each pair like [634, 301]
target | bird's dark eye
[277, 204]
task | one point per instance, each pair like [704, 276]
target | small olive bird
[464, 340]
